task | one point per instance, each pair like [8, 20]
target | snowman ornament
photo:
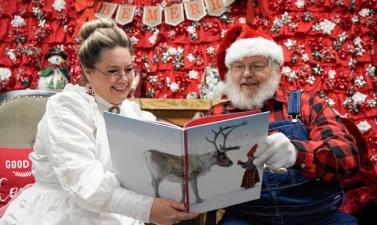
[55, 76]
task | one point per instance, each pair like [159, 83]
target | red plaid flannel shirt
[330, 152]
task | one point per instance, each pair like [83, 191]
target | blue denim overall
[291, 198]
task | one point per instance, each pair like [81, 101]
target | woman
[71, 158]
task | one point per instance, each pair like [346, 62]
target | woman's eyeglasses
[115, 75]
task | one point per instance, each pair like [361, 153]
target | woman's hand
[167, 212]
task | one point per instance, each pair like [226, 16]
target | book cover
[202, 164]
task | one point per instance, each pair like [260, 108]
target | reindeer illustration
[167, 166]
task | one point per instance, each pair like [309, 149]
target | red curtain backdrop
[329, 46]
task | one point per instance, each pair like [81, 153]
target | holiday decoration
[55, 76]
[329, 48]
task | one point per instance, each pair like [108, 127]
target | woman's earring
[89, 90]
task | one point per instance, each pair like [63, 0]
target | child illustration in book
[251, 176]
[162, 165]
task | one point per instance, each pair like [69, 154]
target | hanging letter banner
[195, 10]
[215, 7]
[106, 10]
[125, 14]
[174, 14]
[152, 15]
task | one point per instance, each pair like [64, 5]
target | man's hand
[276, 151]
[167, 212]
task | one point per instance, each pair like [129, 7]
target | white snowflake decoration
[291, 75]
[290, 44]
[372, 103]
[364, 12]
[152, 39]
[300, 4]
[342, 37]
[310, 80]
[357, 41]
[305, 57]
[190, 57]
[59, 5]
[191, 29]
[193, 74]
[172, 51]
[286, 70]
[360, 81]
[332, 74]
[242, 20]
[174, 87]
[325, 26]
[330, 102]
[359, 48]
[18, 21]
[134, 40]
[211, 50]
[179, 51]
[5, 73]
[355, 19]
[370, 70]
[359, 98]
[286, 18]
[352, 63]
[153, 79]
[364, 126]
[166, 57]
[42, 23]
[11, 55]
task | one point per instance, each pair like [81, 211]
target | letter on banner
[174, 14]
[228, 2]
[125, 14]
[152, 15]
[195, 10]
[106, 11]
[215, 7]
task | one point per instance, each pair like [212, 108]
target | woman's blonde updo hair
[99, 34]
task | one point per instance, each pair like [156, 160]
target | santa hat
[241, 41]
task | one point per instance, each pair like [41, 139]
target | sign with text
[125, 14]
[174, 14]
[152, 15]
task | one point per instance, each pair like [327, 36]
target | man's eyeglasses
[253, 68]
[115, 75]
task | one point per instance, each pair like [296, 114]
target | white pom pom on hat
[241, 41]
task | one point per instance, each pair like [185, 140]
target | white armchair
[20, 112]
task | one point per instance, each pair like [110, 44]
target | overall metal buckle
[294, 118]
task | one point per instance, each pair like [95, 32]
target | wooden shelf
[177, 111]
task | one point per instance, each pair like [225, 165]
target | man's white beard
[265, 91]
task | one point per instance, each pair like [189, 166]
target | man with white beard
[307, 150]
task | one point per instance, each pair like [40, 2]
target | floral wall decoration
[330, 46]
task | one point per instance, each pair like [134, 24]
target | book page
[215, 151]
[140, 152]
[215, 118]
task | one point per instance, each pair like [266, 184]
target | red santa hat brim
[241, 41]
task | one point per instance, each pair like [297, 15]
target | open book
[201, 164]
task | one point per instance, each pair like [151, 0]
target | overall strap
[294, 105]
